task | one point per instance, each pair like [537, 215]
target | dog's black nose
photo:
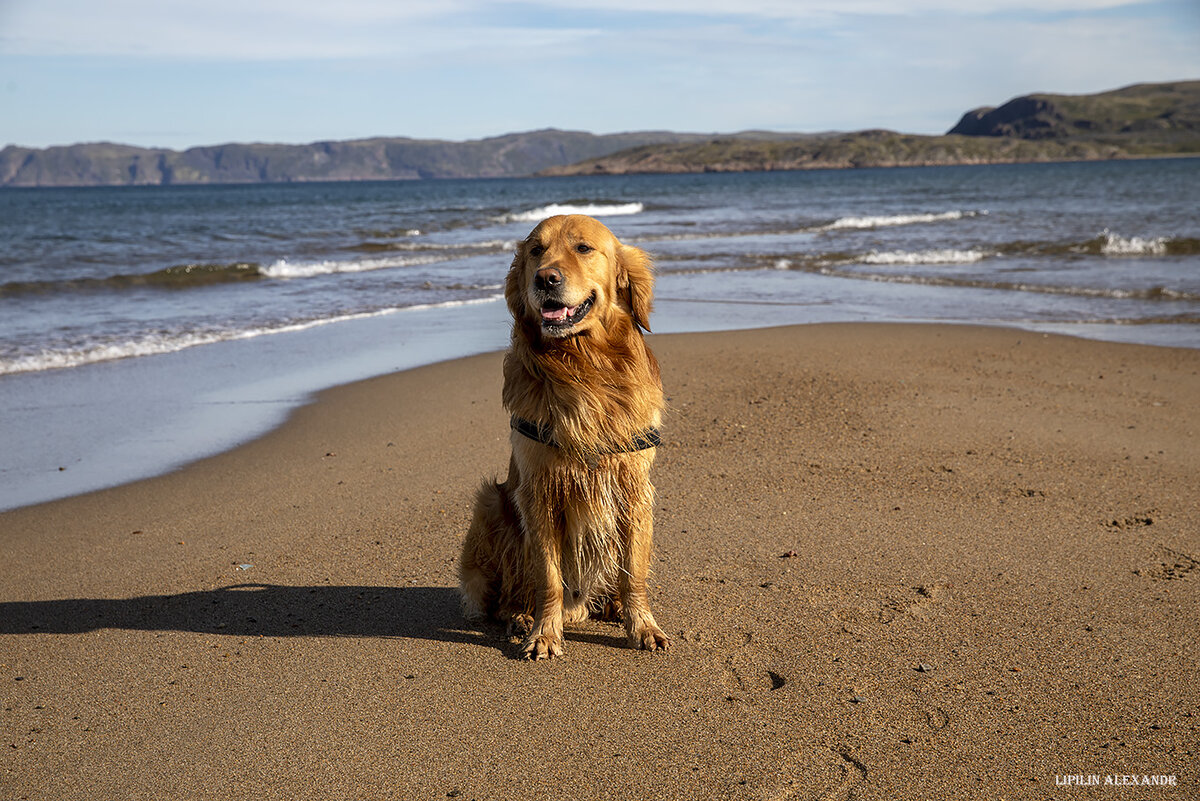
[547, 278]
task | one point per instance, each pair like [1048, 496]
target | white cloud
[218, 29]
[803, 9]
[322, 29]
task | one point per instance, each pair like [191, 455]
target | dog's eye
[536, 251]
[583, 248]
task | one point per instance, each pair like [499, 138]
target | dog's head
[571, 276]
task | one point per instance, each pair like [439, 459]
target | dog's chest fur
[585, 499]
[595, 397]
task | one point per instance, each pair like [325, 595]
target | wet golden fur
[569, 531]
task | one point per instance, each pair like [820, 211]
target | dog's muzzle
[558, 316]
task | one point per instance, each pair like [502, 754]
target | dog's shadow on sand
[270, 610]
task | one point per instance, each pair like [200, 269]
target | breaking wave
[1109, 244]
[1106, 243]
[896, 219]
[592, 209]
[1157, 293]
[1113, 245]
[160, 343]
[190, 276]
[287, 269]
[924, 257]
[182, 276]
[466, 248]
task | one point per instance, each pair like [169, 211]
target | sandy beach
[896, 562]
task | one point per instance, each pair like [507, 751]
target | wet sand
[896, 562]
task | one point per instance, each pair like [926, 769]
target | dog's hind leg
[610, 610]
[478, 579]
[490, 570]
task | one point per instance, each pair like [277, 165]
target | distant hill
[1142, 120]
[105, 164]
[836, 151]
[1145, 112]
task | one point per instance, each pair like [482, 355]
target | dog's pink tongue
[556, 315]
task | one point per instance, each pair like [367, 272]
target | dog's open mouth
[557, 315]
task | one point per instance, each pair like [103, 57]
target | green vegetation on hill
[862, 149]
[1157, 114]
[1141, 120]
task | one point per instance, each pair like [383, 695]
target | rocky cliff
[1148, 113]
[104, 164]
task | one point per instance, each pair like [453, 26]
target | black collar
[545, 434]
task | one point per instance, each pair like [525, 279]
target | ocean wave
[182, 276]
[1155, 293]
[816, 262]
[158, 344]
[286, 269]
[906, 258]
[190, 276]
[857, 223]
[387, 233]
[1106, 243]
[750, 233]
[1113, 245]
[592, 209]
[466, 248]
[781, 264]
[458, 287]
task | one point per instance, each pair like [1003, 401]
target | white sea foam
[590, 209]
[896, 219]
[1114, 245]
[463, 248]
[492, 244]
[156, 344]
[900, 257]
[286, 269]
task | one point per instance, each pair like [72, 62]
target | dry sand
[896, 561]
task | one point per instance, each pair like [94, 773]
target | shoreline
[903, 561]
[147, 416]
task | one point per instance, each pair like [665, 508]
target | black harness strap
[535, 432]
[649, 438]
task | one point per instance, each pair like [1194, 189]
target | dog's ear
[514, 284]
[635, 283]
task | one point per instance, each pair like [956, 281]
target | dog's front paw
[649, 637]
[540, 645]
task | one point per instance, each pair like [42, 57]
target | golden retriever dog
[569, 531]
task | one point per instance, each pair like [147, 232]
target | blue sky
[178, 73]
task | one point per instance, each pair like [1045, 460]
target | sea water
[144, 327]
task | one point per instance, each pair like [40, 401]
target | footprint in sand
[1169, 565]
[744, 671]
[920, 602]
[936, 718]
[844, 771]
